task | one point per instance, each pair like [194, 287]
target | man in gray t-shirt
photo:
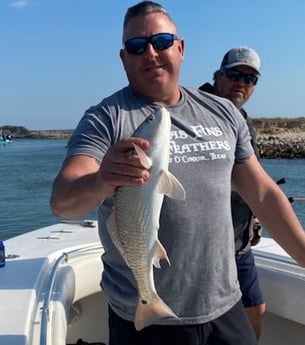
[203, 144]
[210, 148]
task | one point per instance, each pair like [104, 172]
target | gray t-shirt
[208, 135]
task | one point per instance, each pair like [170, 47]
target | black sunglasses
[234, 75]
[138, 45]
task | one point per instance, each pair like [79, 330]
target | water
[293, 172]
[28, 168]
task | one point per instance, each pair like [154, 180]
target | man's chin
[238, 101]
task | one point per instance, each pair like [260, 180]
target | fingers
[122, 166]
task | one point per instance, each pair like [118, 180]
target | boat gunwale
[63, 258]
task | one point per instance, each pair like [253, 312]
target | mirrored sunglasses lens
[162, 41]
[136, 45]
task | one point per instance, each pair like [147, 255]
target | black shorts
[232, 328]
[248, 280]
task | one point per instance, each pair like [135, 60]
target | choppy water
[28, 167]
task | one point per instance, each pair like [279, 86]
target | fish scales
[134, 222]
[132, 216]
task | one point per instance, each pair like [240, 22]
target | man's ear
[122, 56]
[217, 74]
[122, 52]
[181, 48]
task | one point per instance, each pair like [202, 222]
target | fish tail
[150, 312]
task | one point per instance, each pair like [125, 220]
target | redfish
[134, 222]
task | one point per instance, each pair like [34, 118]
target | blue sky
[58, 57]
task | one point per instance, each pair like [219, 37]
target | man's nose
[151, 51]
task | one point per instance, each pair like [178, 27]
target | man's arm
[269, 203]
[81, 184]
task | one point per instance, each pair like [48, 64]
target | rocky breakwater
[281, 137]
[20, 132]
[277, 137]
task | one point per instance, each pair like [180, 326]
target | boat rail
[63, 258]
[278, 258]
[275, 262]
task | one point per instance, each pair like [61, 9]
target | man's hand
[122, 166]
[257, 232]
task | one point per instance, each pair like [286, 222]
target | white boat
[50, 292]
[5, 139]
[283, 284]
[49, 287]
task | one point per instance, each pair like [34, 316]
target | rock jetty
[19, 132]
[276, 137]
[281, 137]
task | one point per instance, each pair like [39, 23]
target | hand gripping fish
[134, 222]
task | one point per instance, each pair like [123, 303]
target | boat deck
[50, 292]
[24, 279]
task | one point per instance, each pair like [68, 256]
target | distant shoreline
[276, 137]
[20, 132]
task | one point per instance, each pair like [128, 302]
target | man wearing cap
[236, 80]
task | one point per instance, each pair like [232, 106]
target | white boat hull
[50, 293]
[283, 284]
[75, 307]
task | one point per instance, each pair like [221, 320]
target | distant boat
[5, 139]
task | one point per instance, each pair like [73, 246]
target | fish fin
[150, 312]
[159, 253]
[144, 159]
[169, 185]
[115, 236]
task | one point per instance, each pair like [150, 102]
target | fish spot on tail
[151, 312]
[143, 301]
